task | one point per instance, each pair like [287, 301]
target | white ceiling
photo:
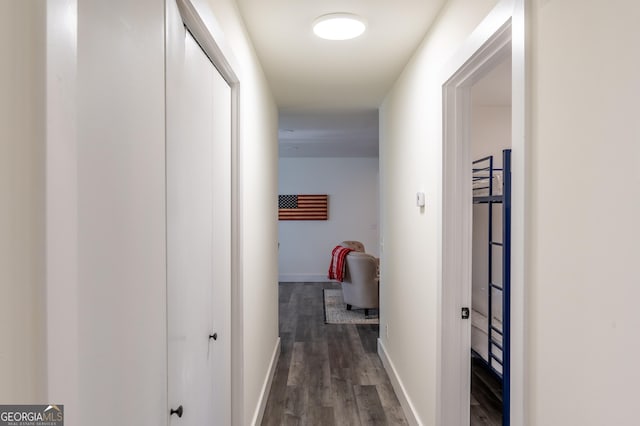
[328, 92]
[330, 134]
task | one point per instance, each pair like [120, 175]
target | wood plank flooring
[330, 374]
[486, 396]
[327, 374]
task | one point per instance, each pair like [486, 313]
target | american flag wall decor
[303, 207]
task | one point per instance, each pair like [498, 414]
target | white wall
[121, 199]
[352, 186]
[62, 207]
[411, 160]
[22, 201]
[121, 211]
[105, 210]
[490, 131]
[490, 134]
[583, 171]
[258, 157]
[584, 204]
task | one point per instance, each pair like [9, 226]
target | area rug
[335, 310]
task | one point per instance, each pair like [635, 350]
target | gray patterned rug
[335, 311]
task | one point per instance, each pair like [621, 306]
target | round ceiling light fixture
[339, 26]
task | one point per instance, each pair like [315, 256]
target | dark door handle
[178, 411]
[213, 336]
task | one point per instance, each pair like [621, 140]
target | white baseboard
[303, 278]
[398, 387]
[266, 387]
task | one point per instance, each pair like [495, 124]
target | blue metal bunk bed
[485, 191]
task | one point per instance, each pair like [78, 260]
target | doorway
[499, 35]
[200, 227]
[490, 144]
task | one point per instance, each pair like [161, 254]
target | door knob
[178, 411]
[213, 336]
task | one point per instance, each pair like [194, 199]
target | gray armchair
[354, 245]
[361, 281]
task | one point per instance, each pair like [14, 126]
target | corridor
[89, 97]
[328, 374]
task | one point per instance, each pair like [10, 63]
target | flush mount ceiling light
[339, 26]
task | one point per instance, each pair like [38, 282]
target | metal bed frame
[483, 170]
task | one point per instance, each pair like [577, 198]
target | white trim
[266, 386]
[457, 227]
[398, 387]
[211, 39]
[502, 30]
[303, 278]
[209, 35]
[520, 191]
[61, 211]
[237, 286]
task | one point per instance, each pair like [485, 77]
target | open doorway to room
[333, 155]
[490, 140]
[499, 38]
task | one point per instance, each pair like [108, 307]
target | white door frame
[501, 31]
[211, 39]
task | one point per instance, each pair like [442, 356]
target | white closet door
[198, 234]
[221, 324]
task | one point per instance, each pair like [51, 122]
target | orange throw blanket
[338, 257]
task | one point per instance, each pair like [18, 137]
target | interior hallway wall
[103, 249]
[352, 186]
[582, 208]
[121, 208]
[583, 230]
[121, 212]
[411, 161]
[22, 201]
[62, 207]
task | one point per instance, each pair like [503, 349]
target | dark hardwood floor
[327, 374]
[330, 374]
[486, 396]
